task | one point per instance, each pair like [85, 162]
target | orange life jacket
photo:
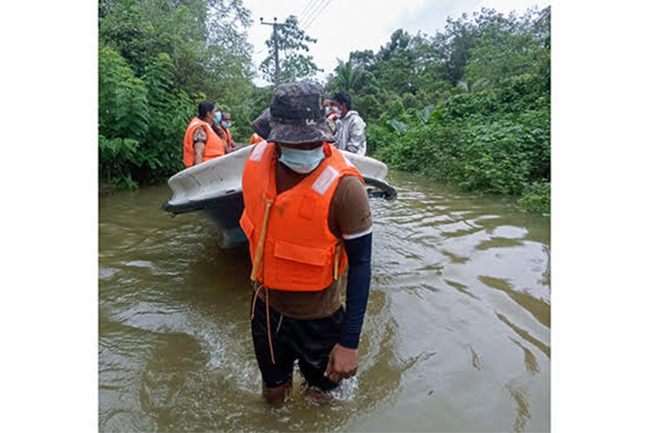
[298, 251]
[229, 141]
[214, 146]
[255, 138]
[227, 138]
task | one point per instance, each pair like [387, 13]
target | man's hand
[343, 363]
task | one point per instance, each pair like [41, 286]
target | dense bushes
[141, 121]
[537, 198]
[471, 106]
[157, 60]
[470, 142]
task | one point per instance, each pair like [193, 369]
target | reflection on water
[456, 337]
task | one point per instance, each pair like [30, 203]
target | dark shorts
[308, 341]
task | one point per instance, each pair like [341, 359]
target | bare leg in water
[318, 397]
[276, 396]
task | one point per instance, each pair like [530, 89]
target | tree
[123, 98]
[292, 42]
[157, 60]
[348, 77]
[396, 63]
[364, 58]
[504, 48]
[205, 39]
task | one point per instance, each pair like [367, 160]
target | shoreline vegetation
[468, 106]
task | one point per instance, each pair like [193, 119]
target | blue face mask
[225, 124]
[302, 161]
[327, 111]
[217, 117]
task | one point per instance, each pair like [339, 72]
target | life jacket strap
[268, 316]
[260, 242]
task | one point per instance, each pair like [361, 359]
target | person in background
[201, 143]
[331, 112]
[307, 219]
[350, 129]
[332, 116]
[222, 128]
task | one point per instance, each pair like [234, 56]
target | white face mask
[300, 160]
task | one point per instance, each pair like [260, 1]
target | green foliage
[368, 106]
[353, 78]
[471, 141]
[469, 106]
[400, 127]
[537, 198]
[127, 30]
[157, 60]
[123, 105]
[425, 114]
[378, 137]
[115, 159]
[170, 109]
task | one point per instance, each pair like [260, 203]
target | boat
[214, 189]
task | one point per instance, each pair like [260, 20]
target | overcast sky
[342, 26]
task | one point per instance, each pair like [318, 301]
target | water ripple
[456, 335]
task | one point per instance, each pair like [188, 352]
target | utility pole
[275, 45]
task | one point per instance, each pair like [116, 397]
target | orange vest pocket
[301, 254]
[304, 268]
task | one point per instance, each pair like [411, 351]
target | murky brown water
[456, 338]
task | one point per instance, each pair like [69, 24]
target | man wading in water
[307, 219]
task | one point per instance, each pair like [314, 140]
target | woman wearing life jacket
[201, 143]
[307, 220]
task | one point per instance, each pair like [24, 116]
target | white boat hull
[214, 187]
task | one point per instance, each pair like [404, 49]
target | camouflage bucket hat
[262, 125]
[298, 115]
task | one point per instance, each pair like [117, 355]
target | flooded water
[456, 337]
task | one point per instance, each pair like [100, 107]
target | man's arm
[232, 146]
[356, 228]
[359, 252]
[344, 358]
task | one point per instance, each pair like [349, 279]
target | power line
[312, 16]
[306, 14]
[313, 12]
[317, 15]
[310, 4]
